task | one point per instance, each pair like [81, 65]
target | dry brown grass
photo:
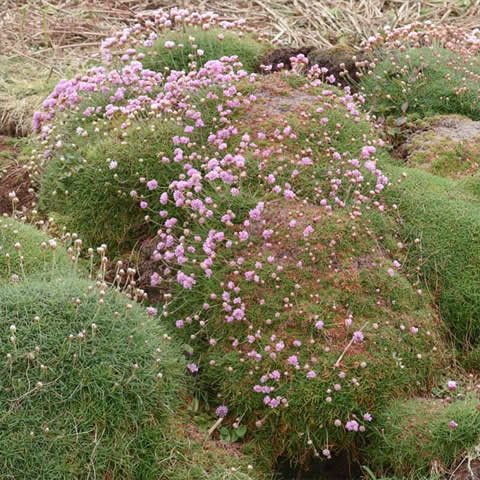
[44, 40]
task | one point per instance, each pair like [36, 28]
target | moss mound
[439, 218]
[176, 50]
[327, 341]
[426, 81]
[417, 436]
[24, 249]
[81, 390]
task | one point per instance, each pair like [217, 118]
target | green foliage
[424, 80]
[36, 258]
[411, 436]
[446, 219]
[158, 57]
[392, 365]
[92, 402]
[86, 193]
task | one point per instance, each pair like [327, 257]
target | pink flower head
[352, 426]
[221, 411]
[293, 360]
[152, 184]
[357, 337]
[192, 367]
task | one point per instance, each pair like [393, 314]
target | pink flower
[293, 360]
[452, 385]
[357, 337]
[308, 230]
[152, 184]
[192, 367]
[352, 426]
[453, 425]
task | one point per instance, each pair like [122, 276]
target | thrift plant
[423, 69]
[416, 436]
[272, 220]
[89, 383]
[24, 250]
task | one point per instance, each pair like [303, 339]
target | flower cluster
[252, 208]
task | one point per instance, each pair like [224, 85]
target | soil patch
[447, 145]
[17, 180]
[13, 178]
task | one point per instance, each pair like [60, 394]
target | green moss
[93, 410]
[412, 436]
[446, 219]
[36, 259]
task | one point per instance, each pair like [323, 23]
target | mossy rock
[448, 146]
[416, 436]
[25, 250]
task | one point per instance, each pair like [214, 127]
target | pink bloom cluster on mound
[427, 34]
[148, 91]
[203, 233]
[150, 25]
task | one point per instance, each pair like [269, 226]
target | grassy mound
[424, 81]
[292, 367]
[24, 249]
[176, 50]
[439, 218]
[81, 387]
[271, 246]
[415, 437]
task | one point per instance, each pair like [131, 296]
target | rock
[283, 55]
[342, 60]
[447, 145]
